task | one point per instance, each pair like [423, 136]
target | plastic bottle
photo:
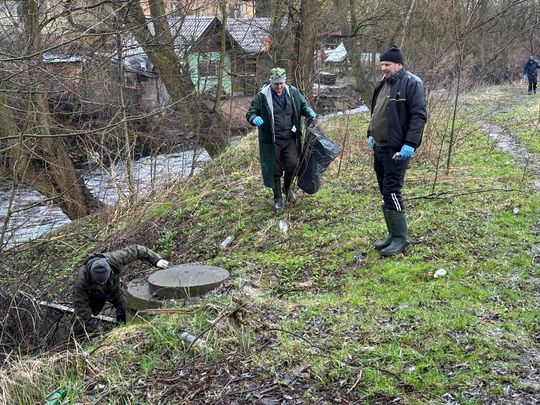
[56, 397]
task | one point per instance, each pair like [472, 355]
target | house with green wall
[198, 42]
[204, 68]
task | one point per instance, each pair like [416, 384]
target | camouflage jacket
[85, 289]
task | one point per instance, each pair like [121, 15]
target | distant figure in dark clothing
[530, 73]
[98, 281]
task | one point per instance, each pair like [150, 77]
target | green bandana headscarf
[277, 75]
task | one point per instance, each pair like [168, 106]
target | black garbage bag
[318, 153]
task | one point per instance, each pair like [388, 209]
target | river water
[33, 215]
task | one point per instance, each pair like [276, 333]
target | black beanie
[392, 54]
[100, 270]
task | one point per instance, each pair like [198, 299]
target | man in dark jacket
[277, 110]
[98, 281]
[530, 73]
[398, 116]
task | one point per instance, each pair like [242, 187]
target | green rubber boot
[381, 244]
[397, 225]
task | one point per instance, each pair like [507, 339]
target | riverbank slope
[314, 314]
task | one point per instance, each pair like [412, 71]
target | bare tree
[360, 23]
[33, 155]
[157, 40]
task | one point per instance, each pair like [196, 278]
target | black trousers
[532, 85]
[390, 177]
[118, 300]
[286, 158]
[96, 303]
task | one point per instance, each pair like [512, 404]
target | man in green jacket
[98, 281]
[277, 110]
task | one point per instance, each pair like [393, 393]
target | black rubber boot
[287, 192]
[121, 318]
[397, 225]
[278, 199]
[381, 244]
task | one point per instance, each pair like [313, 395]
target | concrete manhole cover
[186, 280]
[181, 281]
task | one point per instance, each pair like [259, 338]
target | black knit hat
[100, 270]
[392, 54]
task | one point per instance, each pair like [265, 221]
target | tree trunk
[176, 77]
[350, 29]
[40, 160]
[281, 38]
[223, 44]
[303, 58]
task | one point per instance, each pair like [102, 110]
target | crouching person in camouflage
[98, 281]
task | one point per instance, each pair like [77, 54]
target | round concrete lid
[186, 280]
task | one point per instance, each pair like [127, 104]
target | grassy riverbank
[315, 314]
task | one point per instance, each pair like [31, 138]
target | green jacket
[262, 106]
[85, 289]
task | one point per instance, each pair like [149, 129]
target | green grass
[368, 328]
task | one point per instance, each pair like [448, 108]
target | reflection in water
[33, 216]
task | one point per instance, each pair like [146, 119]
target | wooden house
[198, 42]
[249, 54]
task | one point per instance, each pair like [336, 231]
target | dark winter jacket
[262, 106]
[85, 289]
[406, 110]
[530, 70]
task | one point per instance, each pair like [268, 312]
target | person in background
[398, 116]
[277, 110]
[98, 281]
[530, 73]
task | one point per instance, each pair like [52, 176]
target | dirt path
[530, 162]
[527, 159]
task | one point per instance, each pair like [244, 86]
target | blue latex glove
[406, 152]
[371, 142]
[258, 121]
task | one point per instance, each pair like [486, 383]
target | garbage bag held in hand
[317, 154]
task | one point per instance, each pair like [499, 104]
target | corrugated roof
[186, 32]
[249, 33]
[134, 56]
[190, 29]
